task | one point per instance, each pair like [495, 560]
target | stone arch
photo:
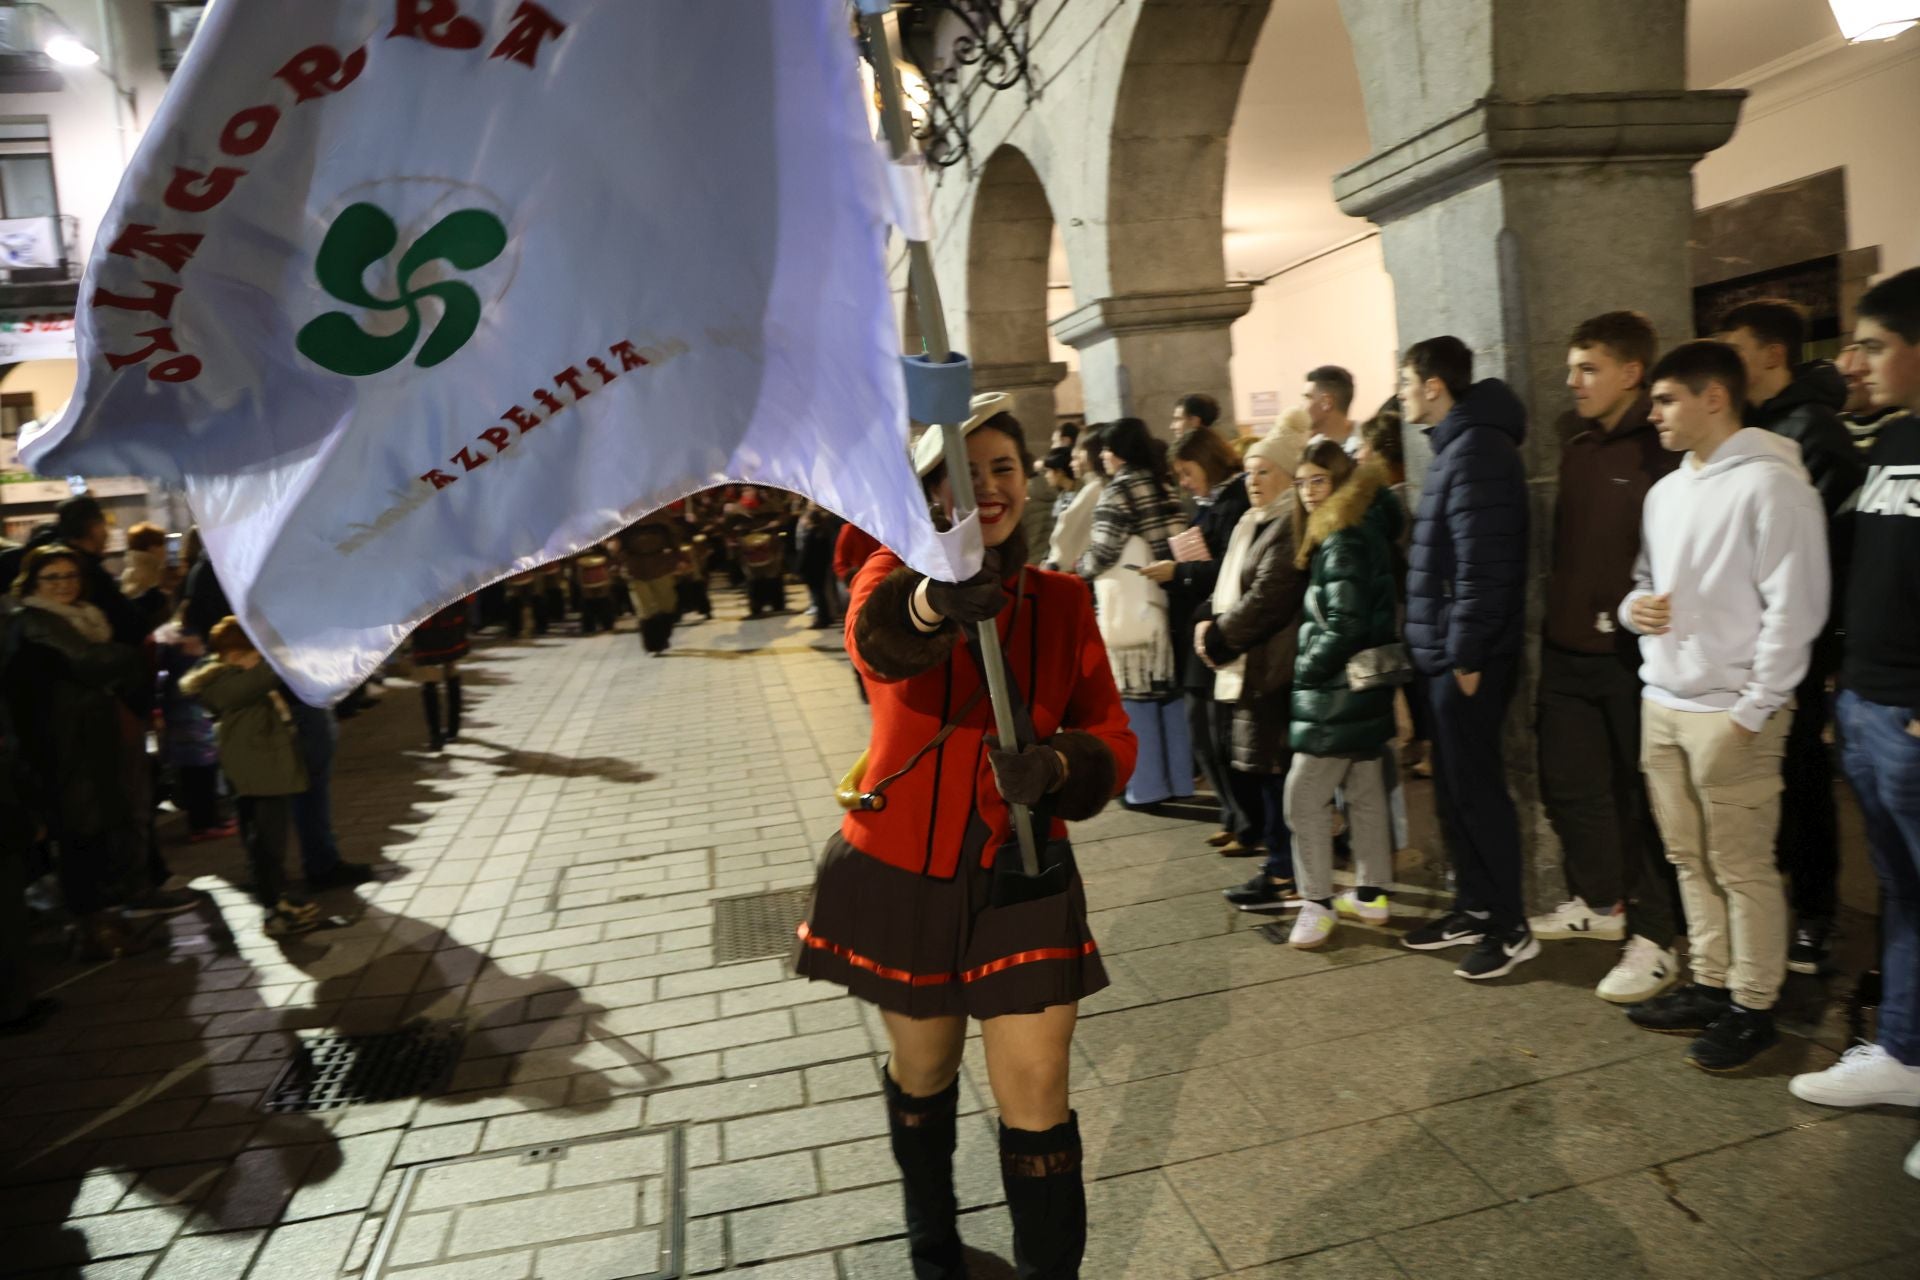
[1009, 239]
[1157, 324]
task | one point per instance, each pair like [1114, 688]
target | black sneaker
[1262, 894]
[1684, 1011]
[341, 875]
[1812, 944]
[1499, 954]
[1737, 1038]
[1457, 929]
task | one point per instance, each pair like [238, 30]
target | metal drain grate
[758, 925]
[330, 1072]
[607, 1208]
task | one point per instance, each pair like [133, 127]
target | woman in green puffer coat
[1346, 525]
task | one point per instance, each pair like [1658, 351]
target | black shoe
[1737, 1038]
[1498, 954]
[32, 1018]
[1262, 894]
[1684, 1011]
[1812, 944]
[1455, 929]
[341, 875]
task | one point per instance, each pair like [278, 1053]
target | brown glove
[977, 599]
[1026, 776]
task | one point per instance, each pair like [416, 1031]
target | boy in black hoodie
[1879, 704]
[1802, 400]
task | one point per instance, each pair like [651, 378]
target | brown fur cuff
[888, 642]
[1091, 777]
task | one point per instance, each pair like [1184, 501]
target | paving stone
[1376, 1177]
[1844, 1169]
[610, 1258]
[311, 1250]
[1617, 1229]
[751, 1182]
[857, 1078]
[1363, 1261]
[1593, 1124]
[474, 1180]
[219, 1257]
[797, 1051]
[815, 1126]
[825, 1222]
[719, 1101]
[557, 1216]
[558, 1125]
[361, 1163]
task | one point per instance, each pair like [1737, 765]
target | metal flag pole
[933, 328]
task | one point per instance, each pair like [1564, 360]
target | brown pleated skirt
[932, 948]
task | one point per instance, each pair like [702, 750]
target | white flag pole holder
[933, 327]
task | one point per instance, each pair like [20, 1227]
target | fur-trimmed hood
[1360, 499]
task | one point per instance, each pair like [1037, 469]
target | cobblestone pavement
[1249, 1109]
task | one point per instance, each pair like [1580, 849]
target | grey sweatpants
[1311, 784]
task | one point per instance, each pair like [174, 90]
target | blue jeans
[1165, 766]
[1882, 761]
[1279, 838]
[313, 808]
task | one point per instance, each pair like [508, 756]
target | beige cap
[928, 450]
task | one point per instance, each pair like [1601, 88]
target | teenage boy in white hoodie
[1730, 591]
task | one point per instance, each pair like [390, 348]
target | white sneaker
[1912, 1165]
[1575, 919]
[1313, 928]
[1868, 1076]
[1645, 970]
[1375, 910]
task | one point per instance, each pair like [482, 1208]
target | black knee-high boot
[923, 1142]
[430, 700]
[454, 704]
[1048, 1201]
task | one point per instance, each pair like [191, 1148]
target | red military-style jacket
[916, 682]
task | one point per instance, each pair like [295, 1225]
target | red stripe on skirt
[817, 943]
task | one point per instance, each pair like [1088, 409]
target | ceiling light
[70, 52]
[1864, 20]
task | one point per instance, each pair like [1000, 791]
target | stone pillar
[1522, 190]
[1141, 352]
[1032, 388]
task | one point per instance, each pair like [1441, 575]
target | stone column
[1141, 352]
[1520, 191]
[1032, 388]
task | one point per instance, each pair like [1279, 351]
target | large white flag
[414, 294]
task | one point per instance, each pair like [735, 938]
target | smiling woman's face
[999, 485]
[58, 580]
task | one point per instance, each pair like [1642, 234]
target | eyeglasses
[1313, 484]
[59, 577]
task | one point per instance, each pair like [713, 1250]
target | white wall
[1335, 310]
[93, 135]
[1854, 106]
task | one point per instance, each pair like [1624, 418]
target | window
[26, 169]
[178, 20]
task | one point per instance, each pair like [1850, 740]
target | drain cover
[758, 924]
[330, 1072]
[605, 1208]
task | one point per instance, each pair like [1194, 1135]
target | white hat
[931, 447]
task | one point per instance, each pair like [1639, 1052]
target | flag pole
[933, 328]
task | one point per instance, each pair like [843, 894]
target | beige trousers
[1716, 795]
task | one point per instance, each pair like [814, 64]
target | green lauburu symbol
[364, 235]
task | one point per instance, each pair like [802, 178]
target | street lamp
[1864, 20]
[69, 51]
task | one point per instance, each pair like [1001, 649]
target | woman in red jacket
[904, 910]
